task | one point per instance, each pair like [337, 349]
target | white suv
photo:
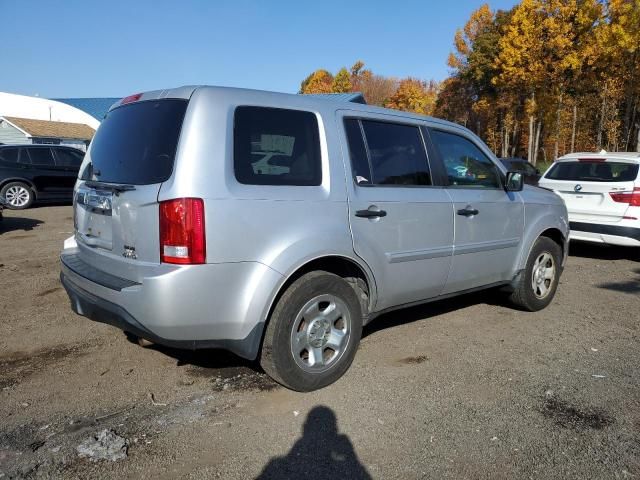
[602, 194]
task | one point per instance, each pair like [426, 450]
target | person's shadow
[321, 453]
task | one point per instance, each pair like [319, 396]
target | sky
[113, 48]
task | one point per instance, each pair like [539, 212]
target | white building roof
[12, 105]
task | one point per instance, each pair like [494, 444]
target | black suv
[515, 164]
[31, 173]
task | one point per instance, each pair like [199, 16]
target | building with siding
[15, 130]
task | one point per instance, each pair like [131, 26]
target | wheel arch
[554, 233]
[341, 265]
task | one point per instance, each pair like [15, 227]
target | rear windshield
[136, 143]
[586, 171]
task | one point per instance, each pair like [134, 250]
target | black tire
[525, 294]
[277, 358]
[21, 187]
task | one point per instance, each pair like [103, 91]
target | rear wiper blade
[118, 187]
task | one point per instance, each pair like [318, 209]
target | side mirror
[515, 182]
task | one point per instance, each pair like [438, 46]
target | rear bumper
[205, 306]
[602, 233]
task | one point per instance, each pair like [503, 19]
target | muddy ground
[464, 388]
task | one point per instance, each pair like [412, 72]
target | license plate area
[582, 198]
[94, 223]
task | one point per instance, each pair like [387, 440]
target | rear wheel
[313, 333]
[538, 282]
[18, 195]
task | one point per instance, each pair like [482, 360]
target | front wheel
[313, 333]
[538, 282]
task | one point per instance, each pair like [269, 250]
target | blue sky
[114, 48]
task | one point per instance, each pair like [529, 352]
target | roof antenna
[602, 152]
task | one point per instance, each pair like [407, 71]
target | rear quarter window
[273, 146]
[68, 158]
[585, 171]
[9, 155]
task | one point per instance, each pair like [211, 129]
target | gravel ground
[464, 388]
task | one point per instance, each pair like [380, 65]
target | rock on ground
[106, 445]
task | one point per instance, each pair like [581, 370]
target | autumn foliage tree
[320, 81]
[414, 95]
[377, 89]
[542, 79]
[548, 77]
[341, 82]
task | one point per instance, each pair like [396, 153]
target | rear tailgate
[589, 188]
[116, 209]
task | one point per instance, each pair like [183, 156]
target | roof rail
[352, 97]
[602, 153]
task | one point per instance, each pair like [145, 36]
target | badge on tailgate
[96, 200]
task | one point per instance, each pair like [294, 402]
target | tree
[548, 77]
[543, 49]
[356, 68]
[414, 95]
[454, 101]
[620, 47]
[377, 88]
[480, 22]
[341, 82]
[320, 81]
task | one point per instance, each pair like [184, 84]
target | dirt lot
[465, 388]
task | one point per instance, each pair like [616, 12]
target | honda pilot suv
[276, 226]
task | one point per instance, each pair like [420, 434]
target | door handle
[369, 213]
[468, 211]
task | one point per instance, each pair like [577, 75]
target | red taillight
[592, 160]
[131, 98]
[182, 238]
[632, 198]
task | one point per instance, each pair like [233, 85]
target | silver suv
[276, 225]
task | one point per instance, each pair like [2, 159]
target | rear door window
[40, 156]
[465, 163]
[594, 171]
[274, 146]
[385, 153]
[68, 158]
[24, 157]
[136, 143]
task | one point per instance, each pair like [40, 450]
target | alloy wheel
[320, 333]
[17, 196]
[543, 275]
